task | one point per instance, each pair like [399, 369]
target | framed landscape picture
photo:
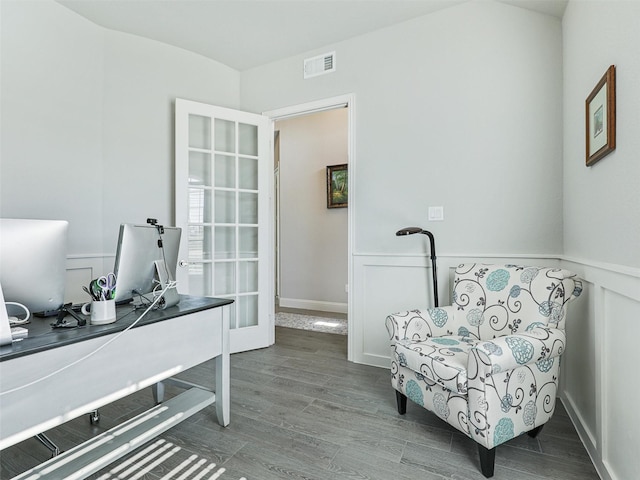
[601, 118]
[337, 186]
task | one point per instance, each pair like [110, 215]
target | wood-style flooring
[299, 410]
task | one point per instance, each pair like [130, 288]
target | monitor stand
[163, 277]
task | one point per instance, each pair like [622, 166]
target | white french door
[223, 193]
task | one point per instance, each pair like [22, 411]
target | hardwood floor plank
[459, 466]
[569, 449]
[264, 462]
[354, 463]
[364, 425]
[307, 448]
[299, 410]
[307, 424]
[21, 457]
[251, 399]
[511, 457]
[545, 466]
[334, 395]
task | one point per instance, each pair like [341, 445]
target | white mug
[102, 312]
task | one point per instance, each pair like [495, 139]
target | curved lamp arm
[432, 245]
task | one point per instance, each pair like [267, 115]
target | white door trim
[316, 106]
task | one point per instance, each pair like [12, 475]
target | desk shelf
[104, 449]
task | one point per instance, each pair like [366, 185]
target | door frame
[317, 106]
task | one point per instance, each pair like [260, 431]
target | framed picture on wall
[601, 118]
[337, 186]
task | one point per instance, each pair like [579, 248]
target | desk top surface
[43, 337]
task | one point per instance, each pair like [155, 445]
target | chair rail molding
[600, 357]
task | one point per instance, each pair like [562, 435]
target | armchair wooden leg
[487, 460]
[401, 400]
[534, 433]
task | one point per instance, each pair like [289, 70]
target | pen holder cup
[102, 312]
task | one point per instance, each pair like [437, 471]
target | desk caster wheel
[94, 417]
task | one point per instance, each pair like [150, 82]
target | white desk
[163, 344]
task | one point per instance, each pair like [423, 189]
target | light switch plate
[436, 214]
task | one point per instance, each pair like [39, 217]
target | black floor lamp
[432, 244]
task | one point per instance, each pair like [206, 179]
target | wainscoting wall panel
[385, 288]
[620, 386]
[81, 269]
[599, 381]
[580, 363]
[385, 284]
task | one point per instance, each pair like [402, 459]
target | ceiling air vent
[325, 63]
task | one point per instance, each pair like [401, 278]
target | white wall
[480, 108]
[142, 80]
[602, 202]
[313, 238]
[87, 126]
[461, 108]
[87, 121]
[602, 237]
[52, 119]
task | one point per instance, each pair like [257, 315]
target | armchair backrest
[499, 300]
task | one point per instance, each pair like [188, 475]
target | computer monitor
[5, 329]
[136, 255]
[33, 262]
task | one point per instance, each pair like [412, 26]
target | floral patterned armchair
[488, 364]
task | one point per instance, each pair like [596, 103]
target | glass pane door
[221, 211]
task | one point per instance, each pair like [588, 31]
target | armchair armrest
[418, 325]
[537, 346]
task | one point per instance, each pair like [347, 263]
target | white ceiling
[246, 33]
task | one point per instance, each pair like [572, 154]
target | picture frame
[337, 186]
[600, 113]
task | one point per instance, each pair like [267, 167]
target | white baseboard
[333, 307]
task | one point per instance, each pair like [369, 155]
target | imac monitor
[5, 329]
[33, 262]
[136, 256]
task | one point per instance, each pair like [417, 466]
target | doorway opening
[312, 241]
